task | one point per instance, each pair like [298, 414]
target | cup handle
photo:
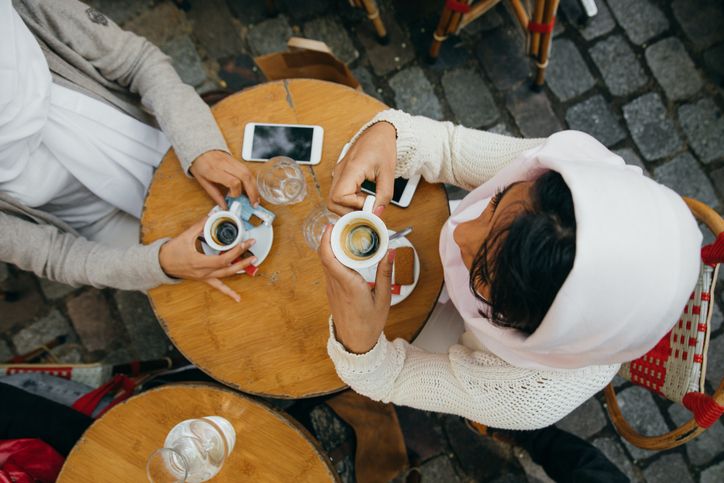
[369, 203]
[235, 208]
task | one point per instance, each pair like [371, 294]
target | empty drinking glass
[194, 451]
[314, 224]
[281, 181]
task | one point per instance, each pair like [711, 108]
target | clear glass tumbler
[314, 224]
[194, 451]
[281, 181]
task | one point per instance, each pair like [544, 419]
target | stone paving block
[684, 175]
[532, 112]
[91, 317]
[5, 352]
[705, 447]
[422, 433]
[28, 306]
[215, 29]
[440, 470]
[670, 468]
[502, 53]
[701, 20]
[120, 12]
[715, 361]
[717, 317]
[630, 157]
[308, 8]
[4, 273]
[185, 60]
[239, 72]
[717, 176]
[249, 11]
[41, 331]
[471, 449]
[714, 61]
[641, 19]
[567, 74]
[501, 128]
[594, 116]
[160, 24]
[330, 31]
[491, 20]
[586, 420]
[621, 70]
[614, 452]
[68, 353]
[55, 290]
[386, 58]
[331, 433]
[364, 76]
[534, 472]
[415, 94]
[703, 124]
[673, 68]
[269, 36]
[590, 28]
[651, 128]
[469, 98]
[618, 381]
[147, 337]
[638, 407]
[713, 474]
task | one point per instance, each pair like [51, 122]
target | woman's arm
[475, 385]
[73, 260]
[443, 152]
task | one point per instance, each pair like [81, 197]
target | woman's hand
[359, 313]
[216, 169]
[179, 258]
[372, 157]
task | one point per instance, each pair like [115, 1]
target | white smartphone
[300, 142]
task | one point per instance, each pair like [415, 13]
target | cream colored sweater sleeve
[443, 152]
[474, 384]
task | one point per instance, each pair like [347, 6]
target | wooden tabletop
[273, 342]
[269, 445]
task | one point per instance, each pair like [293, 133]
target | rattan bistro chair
[676, 367]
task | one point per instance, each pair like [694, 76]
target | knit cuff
[157, 275]
[349, 363]
[406, 143]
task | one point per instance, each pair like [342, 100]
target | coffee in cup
[224, 229]
[360, 238]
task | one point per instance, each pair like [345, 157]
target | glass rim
[172, 453]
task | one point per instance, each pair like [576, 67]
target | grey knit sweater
[89, 53]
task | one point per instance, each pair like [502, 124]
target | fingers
[247, 179]
[214, 193]
[331, 265]
[345, 195]
[232, 182]
[233, 269]
[229, 256]
[385, 188]
[383, 280]
[197, 229]
[223, 288]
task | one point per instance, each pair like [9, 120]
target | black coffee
[360, 240]
[226, 233]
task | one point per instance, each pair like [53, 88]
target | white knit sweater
[468, 381]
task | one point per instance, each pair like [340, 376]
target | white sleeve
[476, 385]
[443, 152]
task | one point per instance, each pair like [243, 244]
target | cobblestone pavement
[644, 76]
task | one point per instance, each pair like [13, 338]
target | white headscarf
[637, 261]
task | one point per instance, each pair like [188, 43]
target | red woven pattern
[706, 410]
[714, 252]
[457, 6]
[542, 28]
[649, 370]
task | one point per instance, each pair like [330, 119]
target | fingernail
[253, 260]
[378, 211]
[256, 205]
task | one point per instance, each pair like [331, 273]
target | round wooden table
[273, 342]
[270, 446]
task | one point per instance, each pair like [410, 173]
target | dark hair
[526, 261]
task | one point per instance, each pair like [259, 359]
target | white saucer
[370, 273]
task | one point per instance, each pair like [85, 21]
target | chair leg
[537, 18]
[551, 6]
[373, 13]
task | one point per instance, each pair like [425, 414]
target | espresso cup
[224, 229]
[360, 238]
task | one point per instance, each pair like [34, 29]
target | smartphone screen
[292, 141]
[400, 184]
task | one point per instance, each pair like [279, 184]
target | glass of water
[314, 224]
[281, 181]
[194, 451]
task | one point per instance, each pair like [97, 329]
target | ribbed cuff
[349, 363]
[188, 155]
[157, 275]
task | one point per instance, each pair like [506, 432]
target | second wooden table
[274, 341]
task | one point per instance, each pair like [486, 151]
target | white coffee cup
[224, 229]
[360, 238]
